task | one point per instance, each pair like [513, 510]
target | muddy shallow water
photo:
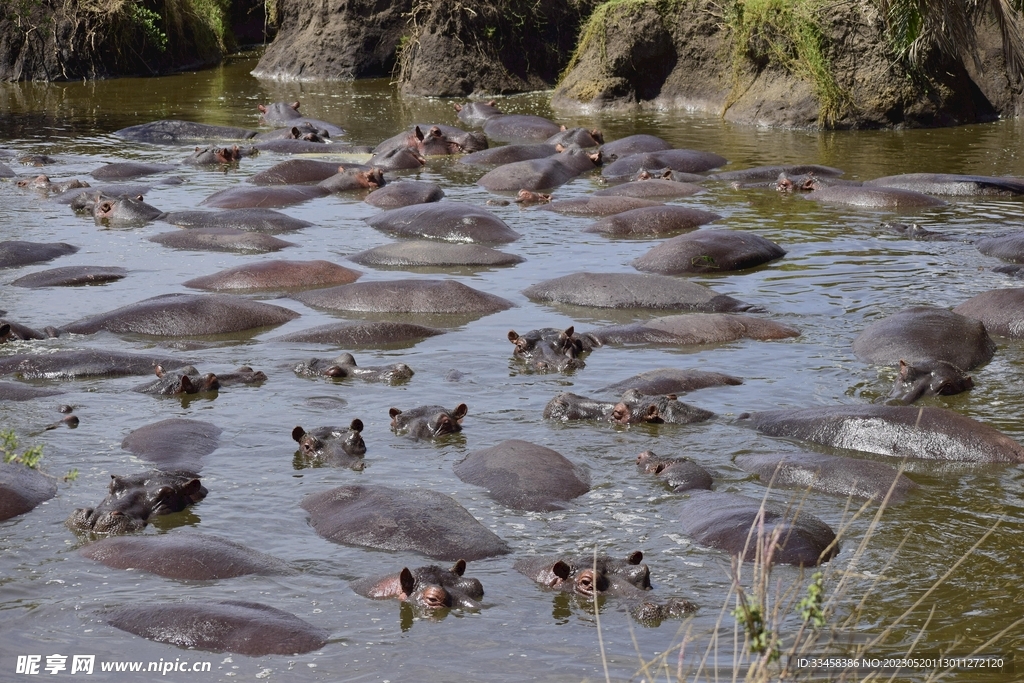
[841, 273]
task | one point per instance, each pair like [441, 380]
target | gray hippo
[684, 160]
[14, 253]
[507, 154]
[428, 422]
[734, 523]
[679, 474]
[183, 555]
[762, 173]
[673, 381]
[1000, 310]
[386, 518]
[265, 197]
[87, 363]
[71, 276]
[296, 172]
[174, 443]
[433, 140]
[520, 128]
[832, 474]
[186, 315]
[276, 275]
[693, 329]
[406, 296]
[873, 197]
[44, 185]
[429, 588]
[287, 114]
[245, 628]
[579, 137]
[550, 350]
[17, 391]
[132, 500]
[129, 170]
[540, 174]
[709, 251]
[648, 187]
[950, 184]
[633, 290]
[524, 476]
[344, 366]
[363, 334]
[447, 221]
[221, 239]
[928, 378]
[405, 193]
[433, 254]
[333, 446]
[122, 212]
[252, 220]
[22, 488]
[633, 408]
[183, 380]
[171, 130]
[12, 331]
[895, 431]
[634, 144]
[476, 113]
[598, 205]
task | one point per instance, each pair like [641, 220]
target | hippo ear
[408, 583]
[512, 336]
[115, 484]
[419, 134]
[296, 133]
[294, 105]
[561, 570]
[559, 148]
[569, 331]
[262, 108]
[394, 412]
[191, 488]
[562, 129]
[904, 370]
[459, 567]
[298, 433]
[492, 103]
[5, 330]
[635, 557]
[458, 107]
[460, 411]
[672, 397]
[357, 425]
[652, 414]
[187, 386]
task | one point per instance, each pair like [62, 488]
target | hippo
[6, 171]
[580, 137]
[524, 476]
[298, 172]
[433, 140]
[287, 114]
[634, 144]
[476, 113]
[373, 334]
[672, 381]
[186, 315]
[22, 488]
[734, 523]
[540, 174]
[405, 193]
[187, 555]
[43, 184]
[429, 588]
[252, 220]
[123, 211]
[873, 197]
[132, 500]
[344, 366]
[1007, 247]
[949, 184]
[267, 197]
[832, 474]
[242, 375]
[218, 156]
[171, 130]
[10, 331]
[895, 431]
[598, 206]
[709, 251]
[550, 350]
[507, 154]
[764, 173]
[1000, 310]
[925, 334]
[589, 577]
[693, 329]
[633, 408]
[653, 221]
[651, 188]
[353, 179]
[433, 254]
[529, 198]
[928, 378]
[245, 628]
[406, 296]
[221, 239]
[914, 231]
[71, 276]
[520, 128]
[633, 290]
[680, 474]
[175, 443]
[428, 422]
[14, 253]
[304, 130]
[183, 380]
[81, 200]
[416, 519]
[86, 363]
[16, 391]
[446, 221]
[333, 446]
[399, 159]
[685, 160]
[270, 276]
[129, 170]
[307, 144]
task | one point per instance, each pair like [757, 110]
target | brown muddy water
[841, 273]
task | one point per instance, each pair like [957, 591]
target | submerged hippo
[685, 160]
[70, 365]
[372, 334]
[22, 488]
[524, 475]
[276, 275]
[183, 380]
[71, 276]
[406, 296]
[129, 170]
[296, 172]
[1000, 310]
[344, 366]
[693, 329]
[221, 239]
[928, 378]
[633, 290]
[170, 130]
[540, 174]
[174, 443]
[634, 144]
[265, 197]
[122, 212]
[672, 381]
[831, 474]
[132, 500]
[476, 113]
[950, 184]
[433, 254]
[735, 524]
[252, 220]
[633, 408]
[433, 140]
[925, 333]
[653, 221]
[519, 128]
[447, 221]
[680, 474]
[709, 251]
[218, 156]
[332, 446]
[186, 315]
[405, 193]
[430, 588]
[507, 154]
[550, 350]
[287, 114]
[649, 187]
[183, 555]
[873, 197]
[386, 518]
[428, 422]
[895, 431]
[245, 628]
[17, 391]
[12, 331]
[598, 205]
[15, 253]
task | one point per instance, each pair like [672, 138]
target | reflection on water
[841, 272]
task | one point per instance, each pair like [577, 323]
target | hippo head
[635, 407]
[530, 197]
[40, 182]
[186, 380]
[447, 422]
[801, 183]
[427, 596]
[928, 378]
[349, 441]
[132, 500]
[103, 520]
